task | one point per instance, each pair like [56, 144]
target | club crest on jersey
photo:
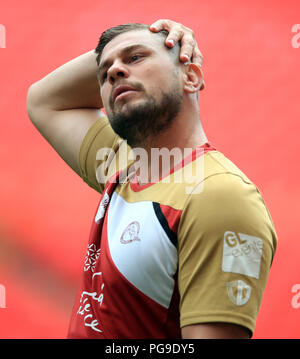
[238, 292]
[102, 207]
[130, 233]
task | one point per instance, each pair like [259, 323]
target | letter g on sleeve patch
[242, 254]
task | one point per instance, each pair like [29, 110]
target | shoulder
[225, 201]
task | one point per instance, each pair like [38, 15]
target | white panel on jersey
[140, 249]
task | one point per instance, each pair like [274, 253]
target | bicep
[64, 130]
[214, 331]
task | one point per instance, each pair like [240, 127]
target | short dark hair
[113, 32]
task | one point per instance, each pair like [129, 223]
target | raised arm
[64, 104]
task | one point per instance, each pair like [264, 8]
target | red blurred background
[250, 112]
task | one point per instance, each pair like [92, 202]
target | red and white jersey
[160, 257]
[128, 254]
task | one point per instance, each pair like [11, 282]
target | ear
[193, 78]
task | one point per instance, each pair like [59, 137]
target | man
[170, 254]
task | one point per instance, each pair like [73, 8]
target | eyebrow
[123, 52]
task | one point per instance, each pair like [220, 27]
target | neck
[161, 153]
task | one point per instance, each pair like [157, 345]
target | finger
[175, 35]
[187, 47]
[160, 25]
[174, 29]
[197, 56]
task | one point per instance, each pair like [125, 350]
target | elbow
[30, 95]
[31, 102]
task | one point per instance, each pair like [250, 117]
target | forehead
[135, 37]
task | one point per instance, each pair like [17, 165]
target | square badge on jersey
[242, 254]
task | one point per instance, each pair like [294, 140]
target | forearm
[72, 85]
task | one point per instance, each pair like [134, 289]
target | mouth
[122, 91]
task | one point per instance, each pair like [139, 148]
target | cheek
[105, 94]
[158, 77]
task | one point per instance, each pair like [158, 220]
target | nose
[116, 71]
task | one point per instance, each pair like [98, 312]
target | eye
[104, 76]
[134, 58]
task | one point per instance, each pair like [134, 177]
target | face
[140, 86]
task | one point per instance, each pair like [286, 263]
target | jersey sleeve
[226, 246]
[102, 154]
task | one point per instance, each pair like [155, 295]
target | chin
[127, 107]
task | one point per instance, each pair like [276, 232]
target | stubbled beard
[138, 124]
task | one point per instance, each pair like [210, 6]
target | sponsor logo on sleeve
[242, 254]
